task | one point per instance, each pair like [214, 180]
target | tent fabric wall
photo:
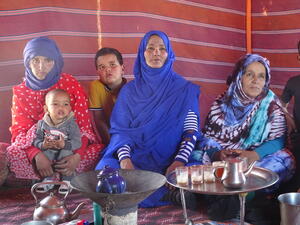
[275, 35]
[72, 24]
[208, 37]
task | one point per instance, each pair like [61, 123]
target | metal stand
[242, 197]
[187, 220]
[259, 178]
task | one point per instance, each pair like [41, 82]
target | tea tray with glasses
[259, 178]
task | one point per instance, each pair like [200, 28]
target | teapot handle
[33, 188]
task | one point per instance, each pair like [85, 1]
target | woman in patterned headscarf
[43, 64]
[154, 124]
[248, 120]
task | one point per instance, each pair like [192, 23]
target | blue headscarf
[42, 46]
[153, 79]
[236, 104]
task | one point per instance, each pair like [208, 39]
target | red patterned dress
[28, 108]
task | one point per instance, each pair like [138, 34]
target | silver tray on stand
[259, 178]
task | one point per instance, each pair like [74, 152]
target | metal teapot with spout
[52, 208]
[234, 174]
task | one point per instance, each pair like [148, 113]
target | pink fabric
[27, 109]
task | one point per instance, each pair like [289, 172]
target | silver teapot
[234, 174]
[52, 208]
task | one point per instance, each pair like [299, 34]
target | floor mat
[17, 206]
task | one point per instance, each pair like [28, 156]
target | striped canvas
[208, 36]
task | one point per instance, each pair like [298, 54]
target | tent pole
[248, 27]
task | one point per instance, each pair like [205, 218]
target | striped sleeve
[189, 137]
[123, 152]
[190, 122]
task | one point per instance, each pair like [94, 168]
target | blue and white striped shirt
[187, 145]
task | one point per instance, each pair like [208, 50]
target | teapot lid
[107, 171]
[234, 159]
[51, 201]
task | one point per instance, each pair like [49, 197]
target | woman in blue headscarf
[43, 72]
[154, 124]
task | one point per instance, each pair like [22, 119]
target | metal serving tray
[259, 178]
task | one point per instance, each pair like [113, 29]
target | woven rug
[17, 206]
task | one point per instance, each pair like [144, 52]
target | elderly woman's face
[41, 66]
[156, 52]
[254, 79]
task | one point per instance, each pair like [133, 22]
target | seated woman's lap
[21, 166]
[279, 162]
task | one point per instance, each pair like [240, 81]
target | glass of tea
[182, 175]
[196, 174]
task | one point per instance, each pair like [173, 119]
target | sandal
[43, 188]
[64, 188]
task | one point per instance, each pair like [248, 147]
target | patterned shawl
[237, 121]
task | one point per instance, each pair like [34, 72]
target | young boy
[104, 92]
[57, 134]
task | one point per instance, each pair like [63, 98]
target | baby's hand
[48, 143]
[60, 143]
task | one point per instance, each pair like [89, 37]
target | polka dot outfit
[28, 108]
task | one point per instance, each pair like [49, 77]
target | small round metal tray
[259, 178]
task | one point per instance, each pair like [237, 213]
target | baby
[57, 134]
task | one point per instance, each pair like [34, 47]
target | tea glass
[182, 175]
[196, 174]
[219, 168]
[208, 174]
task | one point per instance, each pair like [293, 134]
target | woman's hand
[173, 166]
[224, 154]
[67, 165]
[43, 165]
[126, 164]
[227, 153]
